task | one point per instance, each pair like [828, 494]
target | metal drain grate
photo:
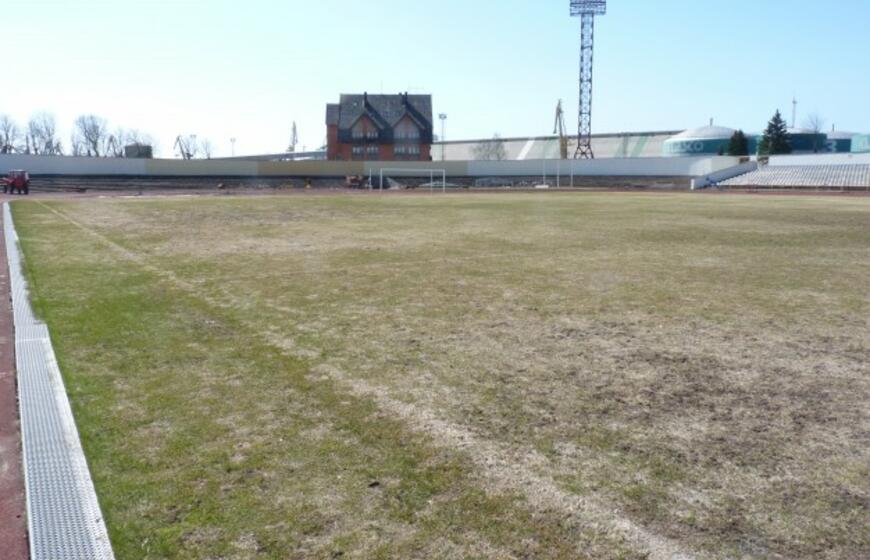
[63, 515]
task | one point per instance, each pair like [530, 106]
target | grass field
[466, 376]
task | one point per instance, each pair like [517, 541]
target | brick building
[380, 128]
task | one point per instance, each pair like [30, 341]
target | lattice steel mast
[587, 10]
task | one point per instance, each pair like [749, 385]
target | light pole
[233, 142]
[443, 117]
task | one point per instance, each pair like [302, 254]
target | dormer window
[406, 129]
[365, 129]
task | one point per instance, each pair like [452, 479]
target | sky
[247, 69]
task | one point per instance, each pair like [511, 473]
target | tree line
[776, 139]
[92, 136]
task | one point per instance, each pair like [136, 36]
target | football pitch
[533, 375]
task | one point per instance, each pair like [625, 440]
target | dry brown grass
[676, 374]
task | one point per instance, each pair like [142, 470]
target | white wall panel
[62, 165]
[662, 167]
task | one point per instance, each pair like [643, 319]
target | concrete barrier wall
[615, 167]
[724, 174]
[663, 167]
[451, 168]
[309, 168]
[199, 168]
[61, 165]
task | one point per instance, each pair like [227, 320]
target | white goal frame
[410, 172]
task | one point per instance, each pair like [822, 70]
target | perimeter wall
[628, 167]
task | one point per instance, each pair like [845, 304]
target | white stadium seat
[805, 176]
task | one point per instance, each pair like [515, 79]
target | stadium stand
[844, 177]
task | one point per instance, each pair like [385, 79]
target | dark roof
[332, 112]
[384, 110]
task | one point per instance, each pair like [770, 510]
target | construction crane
[559, 128]
[186, 145]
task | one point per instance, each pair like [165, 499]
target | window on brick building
[406, 130]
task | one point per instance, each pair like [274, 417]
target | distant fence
[628, 167]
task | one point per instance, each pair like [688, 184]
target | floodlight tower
[587, 10]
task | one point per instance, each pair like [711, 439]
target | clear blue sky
[249, 68]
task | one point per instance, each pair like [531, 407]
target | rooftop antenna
[587, 10]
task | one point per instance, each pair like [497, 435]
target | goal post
[431, 173]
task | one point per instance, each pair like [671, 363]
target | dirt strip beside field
[13, 523]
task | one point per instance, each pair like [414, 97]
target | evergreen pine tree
[739, 144]
[776, 139]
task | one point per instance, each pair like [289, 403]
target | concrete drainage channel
[63, 516]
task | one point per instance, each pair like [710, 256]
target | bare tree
[41, 136]
[77, 148]
[10, 135]
[93, 133]
[816, 124]
[115, 143]
[490, 149]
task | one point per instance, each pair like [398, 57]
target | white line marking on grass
[517, 475]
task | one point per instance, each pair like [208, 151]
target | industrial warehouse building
[861, 144]
[380, 128]
[712, 140]
[840, 142]
[605, 146]
[703, 141]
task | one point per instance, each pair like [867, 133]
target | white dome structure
[704, 140]
[706, 133]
